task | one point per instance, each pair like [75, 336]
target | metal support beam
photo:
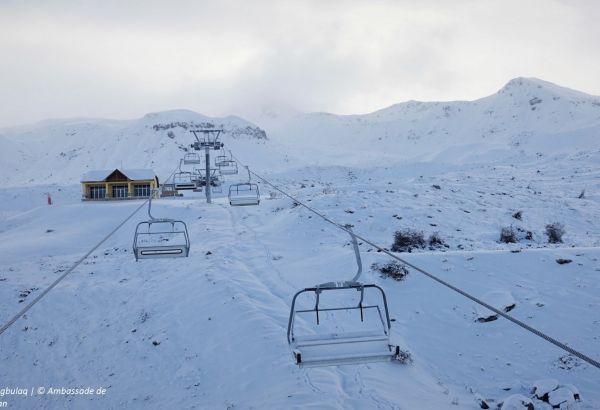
[207, 187]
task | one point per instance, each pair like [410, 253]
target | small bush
[555, 232]
[407, 239]
[392, 269]
[508, 235]
[404, 357]
[435, 241]
[518, 215]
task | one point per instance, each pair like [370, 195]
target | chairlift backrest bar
[321, 288]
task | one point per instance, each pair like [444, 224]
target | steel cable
[523, 325]
[23, 311]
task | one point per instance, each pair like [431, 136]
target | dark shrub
[518, 215]
[508, 235]
[555, 232]
[404, 357]
[436, 241]
[407, 239]
[392, 269]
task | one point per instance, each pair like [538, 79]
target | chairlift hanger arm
[206, 132]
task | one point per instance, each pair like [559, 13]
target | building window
[97, 192]
[119, 191]
[142, 190]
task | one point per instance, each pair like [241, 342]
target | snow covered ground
[209, 331]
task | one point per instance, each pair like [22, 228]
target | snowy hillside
[526, 116]
[60, 151]
[209, 331]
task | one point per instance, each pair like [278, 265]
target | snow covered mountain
[60, 151]
[209, 331]
[526, 116]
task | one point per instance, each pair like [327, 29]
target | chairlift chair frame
[331, 349]
[192, 158]
[184, 180]
[220, 160]
[354, 347]
[228, 167]
[178, 227]
[245, 193]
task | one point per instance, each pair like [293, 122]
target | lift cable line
[23, 311]
[510, 318]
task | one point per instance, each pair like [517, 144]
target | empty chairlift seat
[192, 158]
[354, 330]
[220, 160]
[161, 238]
[228, 167]
[184, 180]
[244, 194]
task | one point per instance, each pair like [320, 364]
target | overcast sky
[122, 59]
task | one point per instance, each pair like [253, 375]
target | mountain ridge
[517, 121]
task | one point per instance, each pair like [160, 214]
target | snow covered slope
[525, 116]
[209, 331]
[60, 151]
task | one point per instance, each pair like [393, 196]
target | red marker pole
[49, 199]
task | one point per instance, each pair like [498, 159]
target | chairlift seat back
[192, 158]
[244, 194]
[221, 160]
[183, 181]
[228, 167]
[161, 238]
[329, 344]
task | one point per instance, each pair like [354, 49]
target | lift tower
[207, 139]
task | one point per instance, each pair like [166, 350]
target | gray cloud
[121, 59]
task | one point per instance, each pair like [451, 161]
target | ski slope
[209, 331]
[220, 319]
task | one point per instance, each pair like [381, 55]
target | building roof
[132, 174]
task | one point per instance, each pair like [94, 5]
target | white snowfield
[209, 331]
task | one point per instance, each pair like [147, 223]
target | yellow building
[118, 184]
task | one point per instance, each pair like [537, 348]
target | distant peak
[528, 85]
[526, 81]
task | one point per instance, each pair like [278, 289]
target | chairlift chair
[192, 158]
[228, 167]
[245, 193]
[184, 180]
[365, 338]
[220, 160]
[160, 238]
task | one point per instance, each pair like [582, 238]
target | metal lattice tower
[207, 140]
